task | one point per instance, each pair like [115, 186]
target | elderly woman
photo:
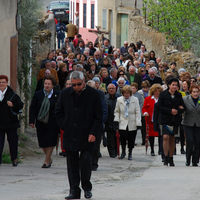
[10, 102]
[121, 83]
[185, 87]
[62, 74]
[42, 111]
[191, 125]
[171, 106]
[92, 71]
[127, 119]
[142, 72]
[148, 109]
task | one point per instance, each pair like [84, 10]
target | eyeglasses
[3, 82]
[193, 81]
[59, 59]
[142, 70]
[92, 59]
[111, 88]
[121, 74]
[96, 55]
[76, 84]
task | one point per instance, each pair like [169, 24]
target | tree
[30, 14]
[179, 19]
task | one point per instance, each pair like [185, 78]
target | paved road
[143, 178]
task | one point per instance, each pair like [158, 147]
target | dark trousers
[12, 138]
[143, 129]
[127, 135]
[182, 137]
[192, 134]
[60, 40]
[79, 166]
[112, 143]
[96, 151]
[71, 39]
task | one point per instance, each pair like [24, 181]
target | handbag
[11, 110]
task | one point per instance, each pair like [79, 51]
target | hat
[96, 79]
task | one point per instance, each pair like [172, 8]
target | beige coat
[71, 30]
[134, 118]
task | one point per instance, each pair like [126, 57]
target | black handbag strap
[12, 96]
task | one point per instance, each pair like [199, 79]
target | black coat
[138, 80]
[165, 105]
[79, 116]
[157, 80]
[35, 108]
[107, 81]
[62, 78]
[7, 120]
[111, 102]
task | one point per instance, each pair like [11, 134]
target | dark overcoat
[35, 108]
[165, 105]
[79, 116]
[7, 120]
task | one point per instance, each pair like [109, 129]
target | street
[144, 177]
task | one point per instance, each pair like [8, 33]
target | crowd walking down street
[86, 94]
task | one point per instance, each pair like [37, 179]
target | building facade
[88, 17]
[8, 41]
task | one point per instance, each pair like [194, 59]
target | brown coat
[71, 30]
[53, 72]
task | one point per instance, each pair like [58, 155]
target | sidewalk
[144, 177]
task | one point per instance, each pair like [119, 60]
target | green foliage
[6, 158]
[30, 14]
[179, 19]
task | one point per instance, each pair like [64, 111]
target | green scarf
[43, 114]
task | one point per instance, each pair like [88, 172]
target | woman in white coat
[127, 119]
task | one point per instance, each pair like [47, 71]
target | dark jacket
[35, 107]
[111, 102]
[60, 31]
[155, 80]
[107, 81]
[62, 77]
[165, 105]
[7, 120]
[138, 80]
[79, 116]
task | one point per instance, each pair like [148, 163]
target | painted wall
[87, 36]
[8, 11]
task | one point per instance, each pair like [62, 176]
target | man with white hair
[124, 49]
[97, 58]
[132, 76]
[79, 114]
[153, 78]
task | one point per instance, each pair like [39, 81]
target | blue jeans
[62, 40]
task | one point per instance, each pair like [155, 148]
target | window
[104, 19]
[84, 15]
[92, 15]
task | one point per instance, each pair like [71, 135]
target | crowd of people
[88, 92]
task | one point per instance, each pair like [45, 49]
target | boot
[166, 160]
[123, 152]
[130, 154]
[171, 162]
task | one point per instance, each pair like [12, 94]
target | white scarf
[2, 94]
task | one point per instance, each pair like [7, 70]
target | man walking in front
[79, 114]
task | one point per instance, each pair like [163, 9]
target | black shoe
[152, 154]
[100, 155]
[94, 168]
[143, 143]
[171, 162]
[88, 194]
[47, 165]
[194, 164]
[62, 153]
[166, 161]
[130, 157]
[122, 156]
[183, 152]
[14, 163]
[187, 164]
[113, 156]
[73, 196]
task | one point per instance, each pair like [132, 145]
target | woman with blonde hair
[148, 109]
[127, 119]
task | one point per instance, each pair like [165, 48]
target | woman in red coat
[147, 110]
